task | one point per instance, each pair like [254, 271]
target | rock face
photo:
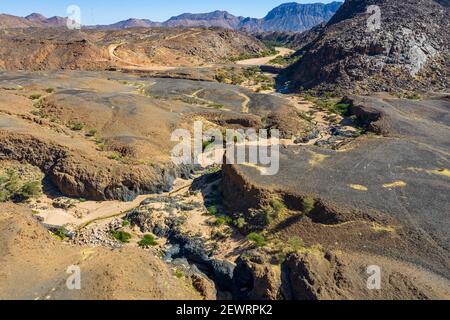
[330, 276]
[294, 40]
[406, 49]
[288, 17]
[80, 176]
[220, 19]
[292, 17]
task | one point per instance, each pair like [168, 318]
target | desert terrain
[87, 178]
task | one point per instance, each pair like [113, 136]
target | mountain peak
[36, 17]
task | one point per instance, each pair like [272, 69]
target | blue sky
[104, 12]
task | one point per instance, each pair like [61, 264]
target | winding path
[265, 60]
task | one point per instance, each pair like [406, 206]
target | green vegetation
[60, 233]
[35, 96]
[278, 206]
[308, 204]
[222, 220]
[342, 108]
[285, 60]
[121, 236]
[246, 56]
[179, 273]
[91, 133]
[76, 125]
[272, 44]
[212, 210]
[100, 142]
[240, 223]
[126, 223]
[148, 241]
[251, 76]
[273, 211]
[115, 156]
[50, 90]
[216, 106]
[12, 187]
[409, 95]
[413, 96]
[296, 244]
[257, 239]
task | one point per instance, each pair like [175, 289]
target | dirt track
[265, 60]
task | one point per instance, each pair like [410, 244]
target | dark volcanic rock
[410, 51]
[400, 177]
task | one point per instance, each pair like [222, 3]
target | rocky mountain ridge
[409, 51]
[288, 17]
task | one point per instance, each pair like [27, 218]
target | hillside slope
[410, 50]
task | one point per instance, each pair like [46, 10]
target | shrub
[216, 106]
[115, 156]
[121, 236]
[296, 243]
[35, 96]
[212, 210]
[12, 188]
[50, 90]
[30, 189]
[76, 125]
[60, 233]
[308, 204]
[148, 241]
[91, 133]
[221, 220]
[413, 96]
[257, 239]
[126, 223]
[278, 206]
[240, 223]
[342, 109]
[179, 273]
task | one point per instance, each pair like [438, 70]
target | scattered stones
[97, 236]
[64, 203]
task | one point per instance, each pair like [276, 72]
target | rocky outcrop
[128, 273]
[317, 275]
[407, 49]
[90, 49]
[83, 176]
[256, 278]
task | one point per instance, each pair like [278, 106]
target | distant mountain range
[33, 20]
[288, 17]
